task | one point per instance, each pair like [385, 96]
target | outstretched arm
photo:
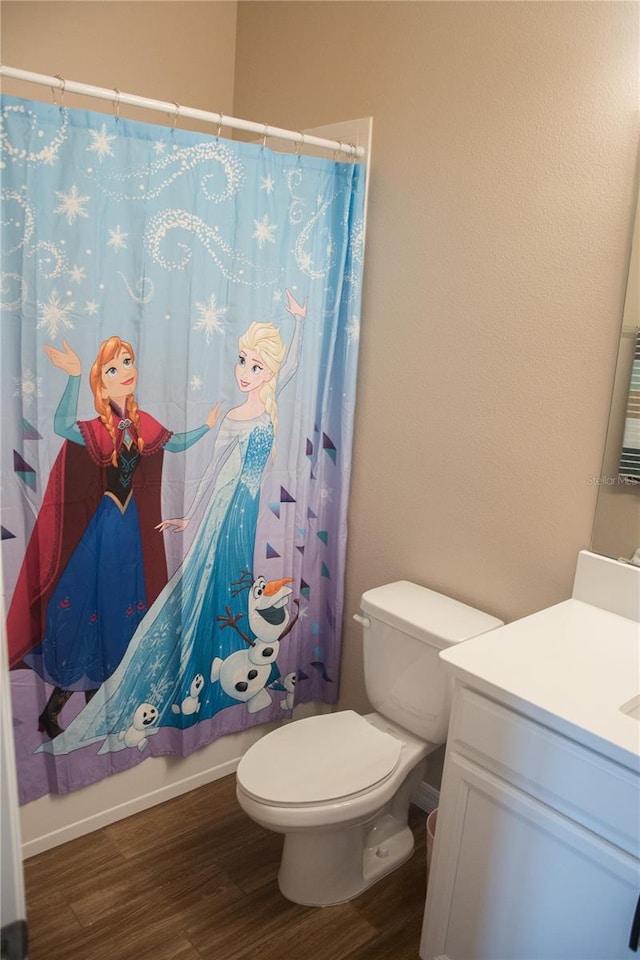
[178, 442]
[65, 418]
[290, 363]
[292, 622]
[232, 621]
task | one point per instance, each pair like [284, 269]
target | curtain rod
[176, 110]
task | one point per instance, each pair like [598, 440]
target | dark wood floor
[195, 879]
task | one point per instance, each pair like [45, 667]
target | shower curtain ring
[221, 116]
[264, 135]
[175, 115]
[300, 143]
[63, 84]
[116, 103]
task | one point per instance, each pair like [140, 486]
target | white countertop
[570, 666]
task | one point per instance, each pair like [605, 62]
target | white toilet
[338, 786]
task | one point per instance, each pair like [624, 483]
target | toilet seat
[318, 760]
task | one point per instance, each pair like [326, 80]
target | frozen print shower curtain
[180, 320]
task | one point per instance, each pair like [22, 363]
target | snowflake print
[155, 666]
[210, 319]
[77, 274]
[117, 238]
[101, 143]
[158, 689]
[27, 387]
[353, 329]
[267, 184]
[91, 308]
[71, 205]
[55, 314]
[196, 382]
[305, 261]
[159, 146]
[49, 155]
[326, 493]
[264, 231]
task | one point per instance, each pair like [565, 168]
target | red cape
[74, 490]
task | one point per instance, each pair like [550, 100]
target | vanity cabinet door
[512, 879]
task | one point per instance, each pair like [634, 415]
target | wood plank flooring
[195, 879]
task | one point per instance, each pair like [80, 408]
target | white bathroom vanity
[537, 848]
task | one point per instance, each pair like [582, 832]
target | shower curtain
[180, 318]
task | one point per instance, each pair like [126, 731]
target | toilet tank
[405, 628]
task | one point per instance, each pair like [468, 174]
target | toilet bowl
[340, 793]
[339, 785]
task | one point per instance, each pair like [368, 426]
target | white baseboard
[121, 810]
[426, 797]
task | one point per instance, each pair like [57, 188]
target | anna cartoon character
[94, 563]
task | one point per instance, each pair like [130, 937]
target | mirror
[616, 528]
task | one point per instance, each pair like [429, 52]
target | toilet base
[329, 867]
[324, 866]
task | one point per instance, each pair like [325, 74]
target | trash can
[431, 832]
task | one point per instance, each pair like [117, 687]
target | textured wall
[174, 51]
[503, 177]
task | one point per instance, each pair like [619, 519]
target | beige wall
[504, 146]
[173, 51]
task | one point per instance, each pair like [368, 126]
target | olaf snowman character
[244, 674]
[137, 735]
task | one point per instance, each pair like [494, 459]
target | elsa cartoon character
[180, 637]
[93, 563]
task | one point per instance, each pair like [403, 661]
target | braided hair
[109, 349]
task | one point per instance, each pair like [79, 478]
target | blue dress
[180, 635]
[97, 604]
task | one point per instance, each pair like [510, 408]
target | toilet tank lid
[426, 614]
